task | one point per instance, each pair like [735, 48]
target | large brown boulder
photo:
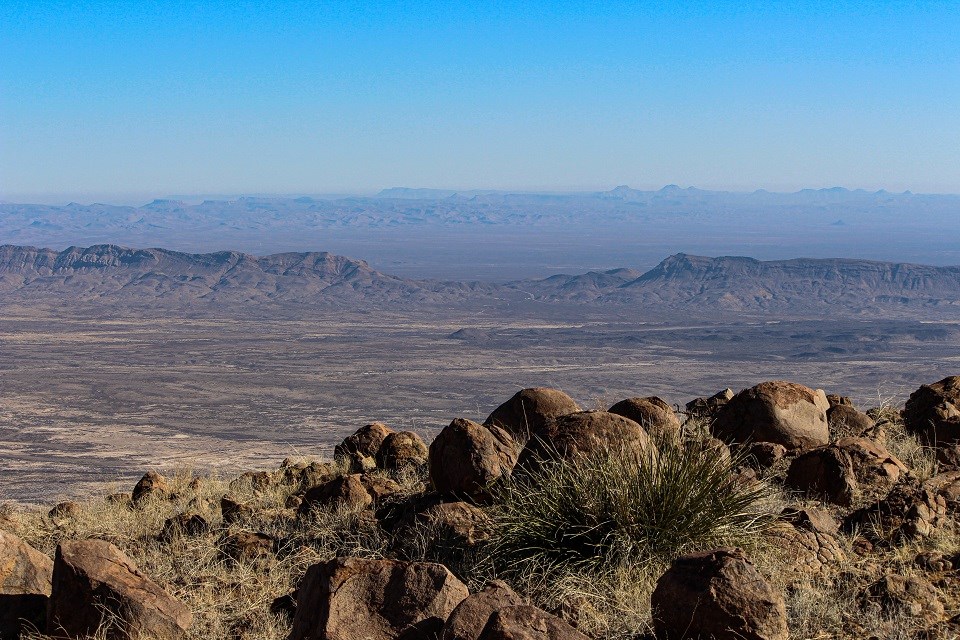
[365, 442]
[585, 433]
[351, 598]
[466, 458]
[471, 616]
[845, 419]
[94, 581]
[345, 492]
[401, 449]
[717, 594]
[525, 622]
[933, 412]
[25, 576]
[651, 413]
[152, 484]
[845, 470]
[782, 412]
[528, 411]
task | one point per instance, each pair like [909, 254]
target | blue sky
[124, 100]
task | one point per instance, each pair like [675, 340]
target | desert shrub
[603, 511]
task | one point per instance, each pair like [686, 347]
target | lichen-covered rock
[786, 413]
[353, 598]
[529, 410]
[717, 594]
[467, 458]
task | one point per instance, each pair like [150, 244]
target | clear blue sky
[129, 99]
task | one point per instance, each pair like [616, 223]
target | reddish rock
[765, 454]
[842, 471]
[233, 510]
[466, 458]
[400, 449]
[152, 484]
[471, 616]
[25, 576]
[184, 524]
[248, 546]
[717, 594]
[92, 580]
[782, 412]
[525, 622]
[345, 492]
[907, 596]
[583, 434]
[352, 598]
[528, 411]
[652, 413]
[707, 408]
[933, 412]
[844, 419]
[365, 442]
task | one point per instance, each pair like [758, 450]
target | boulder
[152, 484]
[525, 622]
[585, 433]
[25, 576]
[844, 470]
[811, 519]
[233, 510]
[764, 455]
[528, 411]
[184, 524]
[256, 480]
[933, 412]
[717, 594]
[706, 408]
[455, 525]
[401, 449]
[466, 458]
[351, 598]
[806, 551]
[365, 442]
[68, 509]
[94, 581]
[653, 414]
[835, 400]
[782, 412]
[911, 510]
[379, 486]
[248, 546]
[907, 596]
[471, 616]
[844, 419]
[345, 492]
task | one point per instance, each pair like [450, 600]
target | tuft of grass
[617, 508]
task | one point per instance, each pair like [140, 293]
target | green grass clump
[603, 511]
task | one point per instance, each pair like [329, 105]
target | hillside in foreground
[776, 512]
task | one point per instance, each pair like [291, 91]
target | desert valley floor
[90, 398]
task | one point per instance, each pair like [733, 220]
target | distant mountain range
[160, 278]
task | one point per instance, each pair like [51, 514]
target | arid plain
[88, 398]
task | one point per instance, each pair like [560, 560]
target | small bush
[600, 512]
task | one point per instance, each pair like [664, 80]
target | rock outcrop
[528, 411]
[585, 433]
[652, 413]
[933, 412]
[351, 598]
[93, 582]
[717, 594]
[25, 579]
[782, 412]
[466, 458]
